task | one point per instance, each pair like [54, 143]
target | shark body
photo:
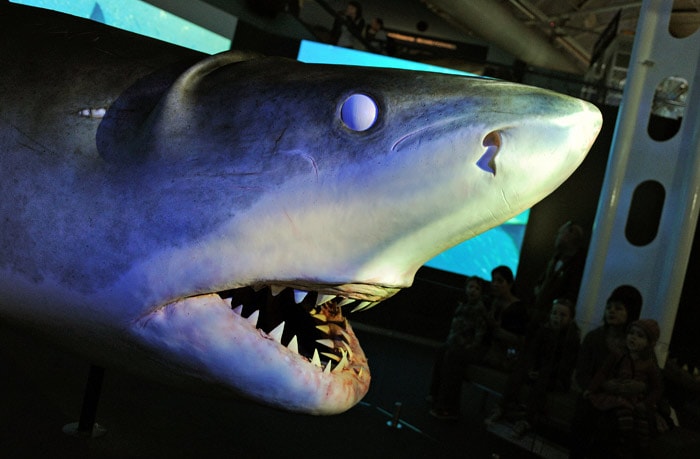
[206, 220]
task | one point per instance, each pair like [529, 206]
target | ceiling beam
[495, 23]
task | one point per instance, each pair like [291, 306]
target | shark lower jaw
[282, 346]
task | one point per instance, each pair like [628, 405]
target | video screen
[141, 18]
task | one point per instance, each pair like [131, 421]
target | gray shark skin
[166, 211]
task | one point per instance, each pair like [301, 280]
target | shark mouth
[285, 346]
[311, 324]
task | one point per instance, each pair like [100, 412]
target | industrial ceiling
[551, 34]
[555, 34]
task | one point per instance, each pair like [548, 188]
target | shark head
[317, 189]
[231, 212]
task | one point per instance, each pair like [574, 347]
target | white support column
[657, 269]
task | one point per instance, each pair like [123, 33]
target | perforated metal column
[649, 204]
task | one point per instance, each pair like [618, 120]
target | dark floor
[42, 391]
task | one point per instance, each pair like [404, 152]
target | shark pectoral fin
[487, 161]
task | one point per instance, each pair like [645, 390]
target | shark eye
[359, 112]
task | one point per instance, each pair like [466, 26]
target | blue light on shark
[476, 256]
[208, 221]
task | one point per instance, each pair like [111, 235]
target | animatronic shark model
[208, 220]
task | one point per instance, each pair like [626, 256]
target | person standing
[348, 26]
[562, 276]
[376, 36]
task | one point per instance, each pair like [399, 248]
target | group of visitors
[349, 30]
[613, 370]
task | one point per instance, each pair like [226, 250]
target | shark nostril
[487, 161]
[492, 139]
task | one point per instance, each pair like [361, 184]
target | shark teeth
[343, 362]
[326, 342]
[293, 345]
[331, 356]
[316, 360]
[346, 348]
[276, 333]
[311, 326]
[299, 296]
[363, 306]
[346, 301]
[253, 318]
[319, 316]
[323, 298]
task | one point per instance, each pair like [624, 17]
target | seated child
[546, 364]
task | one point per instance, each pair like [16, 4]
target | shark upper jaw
[285, 347]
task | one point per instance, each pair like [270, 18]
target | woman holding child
[627, 388]
[621, 309]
